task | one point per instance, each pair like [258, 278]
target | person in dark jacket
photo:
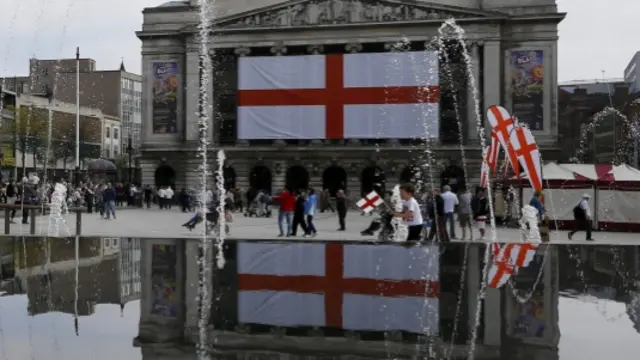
[298, 215]
[109, 199]
[480, 206]
[148, 195]
[436, 213]
[184, 199]
[341, 208]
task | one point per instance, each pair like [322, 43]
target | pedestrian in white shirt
[582, 216]
[161, 199]
[450, 202]
[411, 215]
[168, 195]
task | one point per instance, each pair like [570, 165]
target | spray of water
[57, 209]
[205, 17]
[221, 233]
[459, 34]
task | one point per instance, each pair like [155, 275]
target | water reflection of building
[502, 322]
[578, 102]
[107, 273]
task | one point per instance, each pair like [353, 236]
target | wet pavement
[586, 307]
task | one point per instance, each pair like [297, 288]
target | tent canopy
[555, 176]
[622, 172]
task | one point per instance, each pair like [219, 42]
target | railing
[33, 211]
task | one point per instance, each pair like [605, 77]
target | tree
[28, 130]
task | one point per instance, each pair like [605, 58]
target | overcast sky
[595, 36]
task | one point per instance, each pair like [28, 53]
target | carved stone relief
[333, 12]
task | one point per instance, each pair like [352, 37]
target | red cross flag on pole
[371, 201]
[502, 125]
[526, 150]
[508, 259]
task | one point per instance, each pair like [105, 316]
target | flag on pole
[370, 202]
[526, 150]
[503, 124]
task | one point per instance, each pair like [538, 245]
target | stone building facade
[494, 30]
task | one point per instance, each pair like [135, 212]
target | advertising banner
[165, 97]
[527, 84]
[164, 280]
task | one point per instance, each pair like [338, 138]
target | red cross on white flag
[526, 150]
[371, 201]
[508, 259]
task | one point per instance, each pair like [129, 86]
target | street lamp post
[77, 175]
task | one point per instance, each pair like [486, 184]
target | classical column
[192, 73]
[472, 121]
[315, 50]
[492, 89]
[240, 52]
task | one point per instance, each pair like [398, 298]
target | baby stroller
[259, 207]
[382, 225]
[211, 216]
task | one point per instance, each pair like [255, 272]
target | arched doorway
[165, 175]
[453, 176]
[334, 178]
[372, 178]
[410, 174]
[297, 178]
[260, 178]
[229, 176]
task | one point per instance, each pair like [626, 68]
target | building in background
[117, 93]
[25, 132]
[632, 109]
[631, 74]
[587, 132]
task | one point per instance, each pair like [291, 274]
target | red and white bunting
[508, 259]
[370, 202]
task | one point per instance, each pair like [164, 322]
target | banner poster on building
[165, 97]
[528, 319]
[527, 84]
[164, 280]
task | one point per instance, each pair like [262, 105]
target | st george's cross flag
[508, 259]
[489, 160]
[334, 285]
[502, 124]
[370, 202]
[526, 151]
[339, 96]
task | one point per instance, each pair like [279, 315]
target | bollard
[78, 222]
[32, 218]
[7, 221]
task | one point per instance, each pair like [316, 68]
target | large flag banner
[339, 96]
[349, 287]
[502, 125]
[526, 150]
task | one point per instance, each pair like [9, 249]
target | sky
[596, 35]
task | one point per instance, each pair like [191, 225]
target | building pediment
[301, 13]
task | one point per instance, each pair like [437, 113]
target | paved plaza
[155, 223]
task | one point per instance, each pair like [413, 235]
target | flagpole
[77, 115]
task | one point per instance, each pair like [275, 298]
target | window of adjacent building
[115, 133]
[108, 132]
[115, 153]
[106, 243]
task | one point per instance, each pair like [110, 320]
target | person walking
[298, 215]
[481, 212]
[310, 209]
[109, 199]
[411, 214]
[436, 213]
[341, 208]
[450, 202]
[464, 213]
[287, 207]
[582, 216]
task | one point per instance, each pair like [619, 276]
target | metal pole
[129, 150]
[77, 114]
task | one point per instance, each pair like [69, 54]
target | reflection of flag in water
[502, 125]
[526, 150]
[508, 259]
